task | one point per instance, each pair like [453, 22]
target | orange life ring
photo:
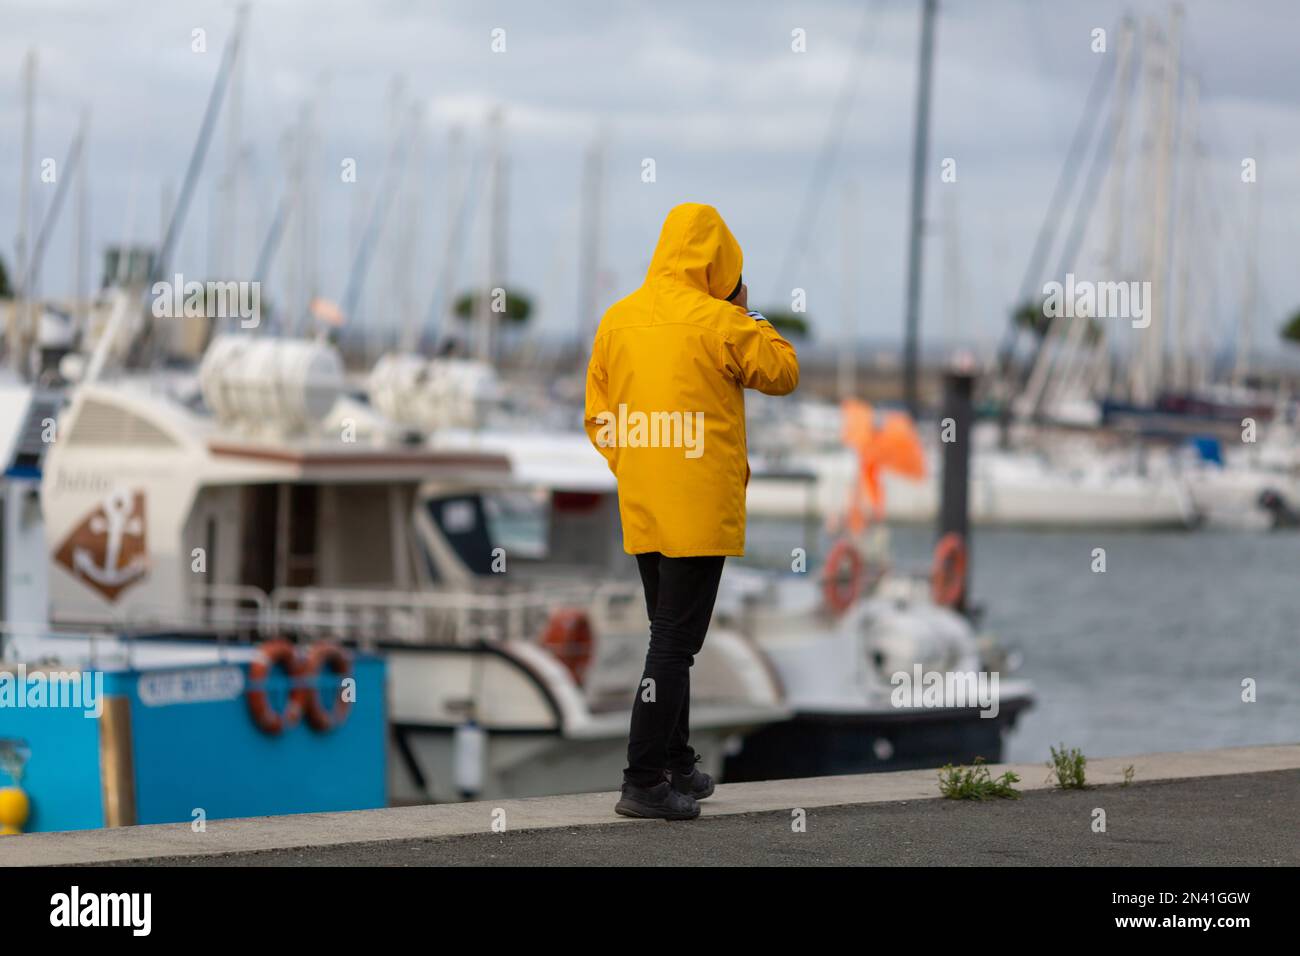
[948, 573]
[267, 718]
[338, 662]
[839, 591]
[568, 636]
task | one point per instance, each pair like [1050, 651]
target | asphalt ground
[1250, 819]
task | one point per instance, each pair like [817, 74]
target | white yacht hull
[537, 731]
[1230, 497]
[1004, 492]
[526, 764]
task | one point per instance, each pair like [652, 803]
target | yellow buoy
[15, 807]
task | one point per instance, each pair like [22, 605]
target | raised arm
[756, 356]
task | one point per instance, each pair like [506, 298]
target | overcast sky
[713, 93]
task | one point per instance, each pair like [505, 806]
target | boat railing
[239, 608]
[459, 616]
[416, 617]
[238, 615]
[437, 617]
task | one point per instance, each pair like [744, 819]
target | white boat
[159, 731]
[1031, 490]
[1254, 487]
[135, 762]
[1073, 487]
[837, 668]
[27, 430]
[248, 514]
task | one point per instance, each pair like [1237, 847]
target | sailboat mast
[230, 250]
[494, 259]
[920, 147]
[1098, 381]
[18, 322]
[82, 291]
[593, 171]
[847, 370]
[1185, 232]
[1245, 327]
[1151, 358]
[952, 277]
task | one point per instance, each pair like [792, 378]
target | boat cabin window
[303, 535]
[539, 528]
[519, 521]
[462, 522]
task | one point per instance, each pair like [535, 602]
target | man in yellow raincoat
[666, 407]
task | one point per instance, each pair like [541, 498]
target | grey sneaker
[660, 802]
[694, 783]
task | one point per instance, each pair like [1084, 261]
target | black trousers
[679, 596]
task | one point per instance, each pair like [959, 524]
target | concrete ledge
[89, 847]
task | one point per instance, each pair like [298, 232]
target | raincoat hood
[666, 384]
[697, 249]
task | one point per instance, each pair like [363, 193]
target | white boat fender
[469, 745]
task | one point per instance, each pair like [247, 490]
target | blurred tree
[519, 306]
[787, 323]
[6, 291]
[1290, 332]
[1031, 318]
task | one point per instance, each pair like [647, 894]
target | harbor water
[1149, 654]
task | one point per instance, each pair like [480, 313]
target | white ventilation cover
[287, 384]
[432, 393]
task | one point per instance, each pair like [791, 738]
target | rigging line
[390, 182]
[1085, 203]
[228, 64]
[454, 244]
[145, 348]
[1064, 183]
[1214, 133]
[1086, 200]
[271, 242]
[815, 193]
[27, 282]
[1221, 223]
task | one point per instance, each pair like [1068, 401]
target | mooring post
[955, 425]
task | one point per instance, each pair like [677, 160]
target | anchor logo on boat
[107, 550]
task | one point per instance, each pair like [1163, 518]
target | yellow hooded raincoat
[665, 392]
